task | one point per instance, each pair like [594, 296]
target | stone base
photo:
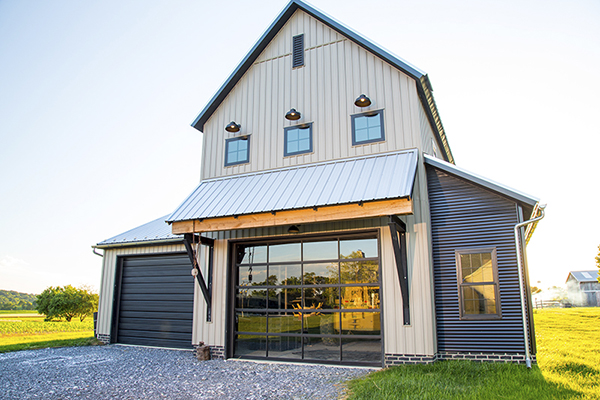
[104, 338]
[216, 352]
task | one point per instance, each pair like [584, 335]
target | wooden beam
[296, 217]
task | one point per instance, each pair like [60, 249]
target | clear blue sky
[96, 99]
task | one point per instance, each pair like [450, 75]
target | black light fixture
[233, 127]
[293, 115]
[293, 229]
[362, 101]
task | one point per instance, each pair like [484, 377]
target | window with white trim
[478, 293]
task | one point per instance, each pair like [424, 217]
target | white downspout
[522, 280]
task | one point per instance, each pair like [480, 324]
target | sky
[97, 98]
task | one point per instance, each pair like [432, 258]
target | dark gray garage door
[155, 301]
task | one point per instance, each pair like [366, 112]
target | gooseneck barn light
[362, 101]
[233, 127]
[293, 115]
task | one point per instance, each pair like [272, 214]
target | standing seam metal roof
[346, 181]
[157, 230]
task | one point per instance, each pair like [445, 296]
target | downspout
[96, 253]
[522, 279]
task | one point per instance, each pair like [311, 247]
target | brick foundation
[216, 352]
[403, 359]
[518, 358]
[104, 338]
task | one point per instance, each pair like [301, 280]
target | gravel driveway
[124, 372]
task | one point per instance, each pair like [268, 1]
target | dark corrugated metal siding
[464, 215]
[156, 301]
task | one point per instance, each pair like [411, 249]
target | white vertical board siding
[429, 144]
[335, 73]
[419, 337]
[109, 266]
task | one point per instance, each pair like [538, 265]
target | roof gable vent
[298, 51]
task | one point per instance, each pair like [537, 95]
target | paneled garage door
[155, 301]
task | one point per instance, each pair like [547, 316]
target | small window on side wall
[297, 140]
[367, 128]
[237, 150]
[478, 293]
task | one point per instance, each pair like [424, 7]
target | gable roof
[584, 276]
[421, 78]
[149, 233]
[352, 180]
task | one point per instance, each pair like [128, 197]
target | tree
[67, 302]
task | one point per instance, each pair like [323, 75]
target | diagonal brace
[206, 289]
[398, 232]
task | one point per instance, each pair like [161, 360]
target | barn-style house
[331, 224]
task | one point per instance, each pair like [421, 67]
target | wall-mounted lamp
[233, 127]
[362, 101]
[293, 229]
[293, 115]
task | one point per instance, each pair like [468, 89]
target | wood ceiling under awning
[295, 217]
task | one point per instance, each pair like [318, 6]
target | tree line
[11, 300]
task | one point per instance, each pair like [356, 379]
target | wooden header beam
[296, 217]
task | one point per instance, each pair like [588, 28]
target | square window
[367, 128]
[478, 292]
[237, 151]
[297, 140]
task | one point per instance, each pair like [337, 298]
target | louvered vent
[298, 51]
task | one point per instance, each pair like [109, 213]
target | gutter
[522, 280]
[138, 243]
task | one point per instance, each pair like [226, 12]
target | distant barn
[584, 288]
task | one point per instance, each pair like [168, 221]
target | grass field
[22, 330]
[568, 344]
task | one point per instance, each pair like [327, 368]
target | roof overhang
[422, 80]
[359, 187]
[297, 217]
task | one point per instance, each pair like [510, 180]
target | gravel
[127, 372]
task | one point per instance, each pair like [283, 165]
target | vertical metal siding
[466, 216]
[336, 71]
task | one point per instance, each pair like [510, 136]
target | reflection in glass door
[315, 300]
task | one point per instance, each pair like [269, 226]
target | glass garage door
[313, 300]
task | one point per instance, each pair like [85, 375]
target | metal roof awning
[360, 187]
[150, 233]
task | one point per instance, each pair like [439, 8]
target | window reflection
[359, 271]
[358, 248]
[361, 349]
[320, 251]
[360, 323]
[251, 322]
[251, 345]
[284, 275]
[251, 299]
[252, 254]
[285, 298]
[285, 347]
[254, 275]
[321, 298]
[284, 252]
[479, 299]
[360, 297]
[285, 323]
[321, 323]
[321, 274]
[316, 348]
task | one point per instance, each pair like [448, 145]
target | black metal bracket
[205, 286]
[398, 232]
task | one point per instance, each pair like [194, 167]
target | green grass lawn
[30, 331]
[568, 344]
